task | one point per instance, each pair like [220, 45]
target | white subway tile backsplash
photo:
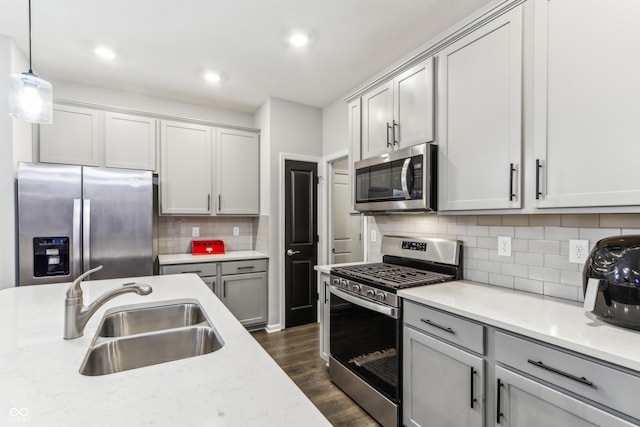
[595, 234]
[501, 280]
[539, 261]
[528, 285]
[516, 270]
[561, 291]
[530, 233]
[477, 276]
[478, 230]
[560, 262]
[489, 266]
[529, 258]
[501, 231]
[573, 278]
[544, 274]
[544, 246]
[488, 242]
[561, 233]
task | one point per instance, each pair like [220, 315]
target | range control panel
[414, 246]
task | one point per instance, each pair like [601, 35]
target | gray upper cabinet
[586, 108]
[130, 141]
[74, 138]
[237, 172]
[400, 112]
[185, 173]
[92, 137]
[479, 124]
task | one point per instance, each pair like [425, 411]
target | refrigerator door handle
[86, 234]
[77, 267]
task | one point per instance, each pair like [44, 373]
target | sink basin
[136, 351]
[141, 320]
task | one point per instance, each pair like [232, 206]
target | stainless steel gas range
[366, 326]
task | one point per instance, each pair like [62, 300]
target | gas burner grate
[396, 276]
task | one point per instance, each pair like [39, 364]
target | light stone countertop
[168, 259]
[238, 385]
[552, 320]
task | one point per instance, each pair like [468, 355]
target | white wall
[293, 129]
[335, 127]
[109, 97]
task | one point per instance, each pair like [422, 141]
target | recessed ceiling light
[105, 52]
[299, 40]
[212, 77]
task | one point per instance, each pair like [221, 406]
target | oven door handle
[379, 308]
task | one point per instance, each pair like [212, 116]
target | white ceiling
[164, 46]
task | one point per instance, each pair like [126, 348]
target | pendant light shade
[30, 97]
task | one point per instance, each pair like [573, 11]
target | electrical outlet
[504, 246]
[236, 231]
[374, 235]
[195, 231]
[578, 251]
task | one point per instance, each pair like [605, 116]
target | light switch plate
[578, 251]
[195, 231]
[236, 231]
[504, 246]
[374, 235]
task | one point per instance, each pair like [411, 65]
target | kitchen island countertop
[237, 385]
[551, 320]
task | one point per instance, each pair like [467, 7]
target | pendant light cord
[30, 68]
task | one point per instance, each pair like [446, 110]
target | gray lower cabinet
[529, 383]
[324, 315]
[241, 285]
[245, 295]
[443, 385]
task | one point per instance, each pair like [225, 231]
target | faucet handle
[75, 291]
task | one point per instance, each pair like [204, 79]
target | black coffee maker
[611, 281]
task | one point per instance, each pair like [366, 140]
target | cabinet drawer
[239, 267]
[602, 384]
[202, 269]
[449, 327]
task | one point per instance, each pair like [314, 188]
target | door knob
[292, 252]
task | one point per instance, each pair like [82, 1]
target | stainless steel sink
[136, 351]
[138, 321]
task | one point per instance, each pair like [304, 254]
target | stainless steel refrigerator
[74, 218]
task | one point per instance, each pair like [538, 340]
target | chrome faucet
[76, 314]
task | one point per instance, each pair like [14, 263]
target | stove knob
[336, 282]
[371, 293]
[356, 288]
[344, 283]
[381, 296]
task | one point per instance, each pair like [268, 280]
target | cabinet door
[210, 281]
[354, 146]
[377, 120]
[526, 403]
[73, 138]
[237, 172]
[245, 295]
[130, 141]
[443, 385]
[185, 173]
[413, 105]
[323, 291]
[587, 105]
[479, 110]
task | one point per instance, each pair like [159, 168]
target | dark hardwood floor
[296, 350]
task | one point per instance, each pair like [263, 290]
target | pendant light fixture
[30, 97]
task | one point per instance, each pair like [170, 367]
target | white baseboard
[273, 328]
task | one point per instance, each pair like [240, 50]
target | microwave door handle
[403, 179]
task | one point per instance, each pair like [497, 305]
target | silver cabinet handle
[292, 252]
[86, 234]
[435, 325]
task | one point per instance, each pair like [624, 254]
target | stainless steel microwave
[399, 181]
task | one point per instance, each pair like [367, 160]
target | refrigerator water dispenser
[50, 256]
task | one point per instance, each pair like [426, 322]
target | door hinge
[317, 296]
[333, 250]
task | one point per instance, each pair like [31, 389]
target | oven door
[365, 338]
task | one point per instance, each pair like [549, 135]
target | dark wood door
[300, 237]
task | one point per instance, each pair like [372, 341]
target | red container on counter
[207, 247]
